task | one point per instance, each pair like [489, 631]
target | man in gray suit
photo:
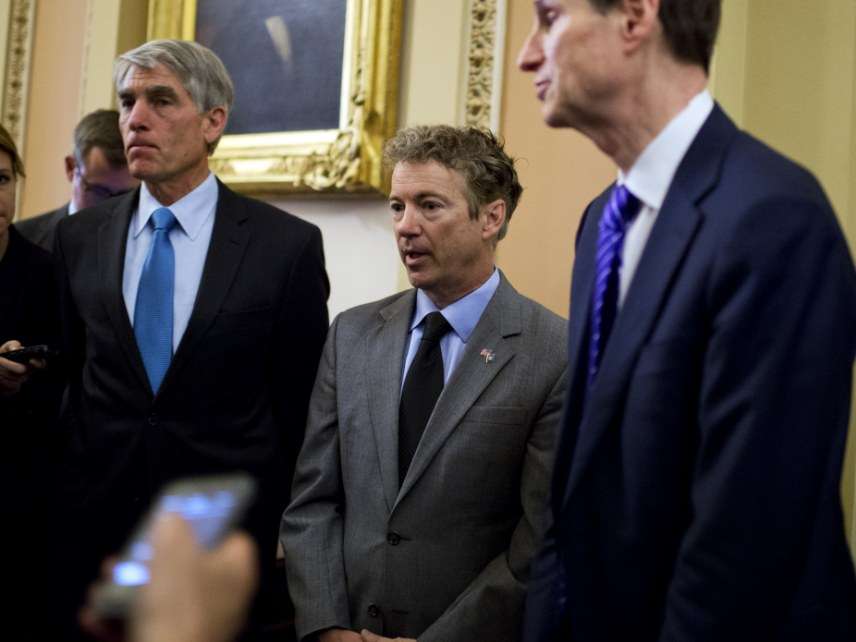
[96, 169]
[420, 490]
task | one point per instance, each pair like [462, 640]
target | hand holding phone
[194, 595]
[24, 355]
[211, 505]
[16, 370]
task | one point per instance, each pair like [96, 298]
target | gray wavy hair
[197, 68]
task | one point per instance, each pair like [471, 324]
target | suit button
[393, 538]
[373, 610]
[153, 419]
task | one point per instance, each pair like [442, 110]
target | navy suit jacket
[696, 492]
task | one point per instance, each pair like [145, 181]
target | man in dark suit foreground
[712, 336]
[419, 494]
[194, 317]
[96, 169]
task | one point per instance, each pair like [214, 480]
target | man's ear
[492, 218]
[70, 164]
[213, 124]
[639, 19]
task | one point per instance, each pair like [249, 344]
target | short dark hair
[100, 129]
[689, 26]
[7, 144]
[475, 153]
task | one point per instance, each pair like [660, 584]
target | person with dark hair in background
[96, 169]
[193, 320]
[712, 337]
[419, 495]
[29, 398]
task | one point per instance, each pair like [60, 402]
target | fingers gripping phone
[23, 355]
[212, 506]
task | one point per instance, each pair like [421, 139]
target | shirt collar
[653, 171]
[191, 210]
[464, 314]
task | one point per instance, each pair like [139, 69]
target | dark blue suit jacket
[696, 493]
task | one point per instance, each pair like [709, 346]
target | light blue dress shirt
[190, 240]
[463, 315]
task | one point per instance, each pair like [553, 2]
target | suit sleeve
[491, 607]
[773, 412]
[302, 325]
[311, 530]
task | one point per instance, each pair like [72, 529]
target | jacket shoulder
[762, 171]
[368, 313]
[274, 218]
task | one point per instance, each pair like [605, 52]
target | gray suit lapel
[385, 359]
[474, 373]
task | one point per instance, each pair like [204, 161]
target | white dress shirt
[190, 239]
[650, 177]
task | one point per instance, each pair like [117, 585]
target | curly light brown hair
[474, 153]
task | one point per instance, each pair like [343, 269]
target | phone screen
[209, 512]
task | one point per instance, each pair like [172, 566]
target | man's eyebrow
[160, 90]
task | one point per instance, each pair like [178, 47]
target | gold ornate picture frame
[329, 160]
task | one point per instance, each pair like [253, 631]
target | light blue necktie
[617, 215]
[153, 311]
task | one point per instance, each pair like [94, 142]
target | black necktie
[422, 386]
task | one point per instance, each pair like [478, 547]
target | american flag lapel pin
[487, 354]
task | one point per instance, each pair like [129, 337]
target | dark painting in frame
[331, 137]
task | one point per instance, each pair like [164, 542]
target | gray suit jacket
[446, 556]
[41, 229]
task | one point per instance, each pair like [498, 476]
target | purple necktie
[617, 215]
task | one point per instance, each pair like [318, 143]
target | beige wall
[53, 102]
[74, 44]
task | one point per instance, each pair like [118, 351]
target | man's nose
[408, 224]
[138, 115]
[531, 54]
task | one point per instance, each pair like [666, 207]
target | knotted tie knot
[621, 210]
[163, 219]
[436, 327]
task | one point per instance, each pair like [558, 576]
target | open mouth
[413, 257]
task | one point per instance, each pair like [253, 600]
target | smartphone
[212, 506]
[23, 355]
